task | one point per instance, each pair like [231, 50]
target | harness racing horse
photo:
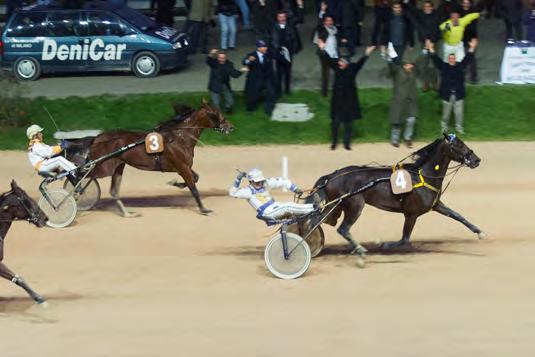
[17, 205]
[180, 135]
[429, 170]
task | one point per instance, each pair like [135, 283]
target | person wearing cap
[404, 105]
[260, 82]
[345, 106]
[258, 195]
[43, 157]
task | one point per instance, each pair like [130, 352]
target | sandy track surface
[176, 283]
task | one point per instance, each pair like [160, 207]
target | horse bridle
[465, 158]
[33, 217]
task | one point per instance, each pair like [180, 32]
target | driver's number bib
[154, 143]
[401, 182]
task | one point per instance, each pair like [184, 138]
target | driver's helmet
[256, 175]
[33, 130]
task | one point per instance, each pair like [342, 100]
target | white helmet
[255, 175]
[33, 130]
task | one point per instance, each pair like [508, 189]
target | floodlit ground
[176, 283]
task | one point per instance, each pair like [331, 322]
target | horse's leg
[410, 221]
[116, 179]
[179, 184]
[189, 178]
[6, 273]
[353, 207]
[448, 212]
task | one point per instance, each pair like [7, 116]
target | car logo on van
[95, 50]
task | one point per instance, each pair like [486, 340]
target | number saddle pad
[154, 143]
[401, 182]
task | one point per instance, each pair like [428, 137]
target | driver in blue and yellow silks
[258, 195]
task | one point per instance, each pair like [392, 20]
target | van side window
[30, 24]
[63, 24]
[105, 24]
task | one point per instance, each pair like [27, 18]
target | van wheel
[146, 65]
[27, 69]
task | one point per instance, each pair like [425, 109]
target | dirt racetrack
[176, 283]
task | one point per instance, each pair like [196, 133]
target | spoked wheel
[65, 210]
[296, 264]
[87, 194]
[316, 239]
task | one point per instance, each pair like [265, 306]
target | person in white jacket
[41, 155]
[258, 195]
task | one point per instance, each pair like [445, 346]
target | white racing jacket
[39, 152]
[261, 199]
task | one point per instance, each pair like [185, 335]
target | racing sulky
[355, 186]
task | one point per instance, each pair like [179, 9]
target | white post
[285, 169]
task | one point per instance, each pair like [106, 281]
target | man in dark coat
[404, 106]
[326, 33]
[284, 40]
[264, 12]
[261, 78]
[452, 91]
[511, 11]
[470, 32]
[345, 106]
[221, 70]
[398, 30]
[426, 22]
[348, 16]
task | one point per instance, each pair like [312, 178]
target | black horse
[17, 205]
[428, 171]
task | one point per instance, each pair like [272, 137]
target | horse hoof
[131, 214]
[206, 211]
[482, 235]
[175, 183]
[398, 244]
[42, 303]
[361, 263]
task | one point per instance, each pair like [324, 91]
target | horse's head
[213, 118]
[16, 204]
[460, 152]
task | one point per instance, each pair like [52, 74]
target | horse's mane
[422, 155]
[182, 112]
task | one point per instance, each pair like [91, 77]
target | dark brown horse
[17, 205]
[180, 135]
[431, 162]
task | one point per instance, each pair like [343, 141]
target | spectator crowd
[445, 30]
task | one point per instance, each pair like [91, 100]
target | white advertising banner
[518, 64]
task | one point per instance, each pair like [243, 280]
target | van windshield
[136, 18]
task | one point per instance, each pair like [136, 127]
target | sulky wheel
[296, 264]
[316, 240]
[65, 210]
[87, 193]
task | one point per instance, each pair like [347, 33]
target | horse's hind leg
[6, 273]
[115, 187]
[179, 184]
[448, 212]
[410, 221]
[352, 209]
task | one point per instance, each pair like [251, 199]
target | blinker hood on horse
[352, 187]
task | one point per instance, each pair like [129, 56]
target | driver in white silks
[41, 155]
[257, 193]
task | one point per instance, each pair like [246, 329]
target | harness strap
[422, 183]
